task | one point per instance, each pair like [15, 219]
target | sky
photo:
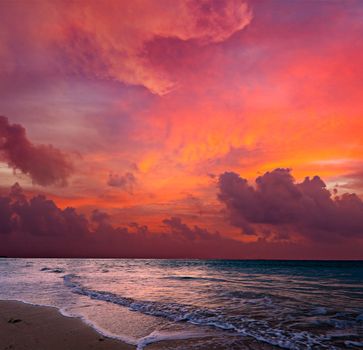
[181, 129]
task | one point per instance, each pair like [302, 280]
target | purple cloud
[276, 200]
[126, 182]
[45, 164]
[37, 227]
[179, 229]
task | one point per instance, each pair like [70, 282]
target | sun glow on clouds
[158, 98]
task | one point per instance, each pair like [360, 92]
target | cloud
[37, 227]
[278, 201]
[7, 223]
[40, 216]
[126, 182]
[100, 217]
[107, 42]
[351, 181]
[179, 229]
[45, 164]
[120, 36]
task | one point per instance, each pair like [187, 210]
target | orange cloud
[109, 41]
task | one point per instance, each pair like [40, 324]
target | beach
[25, 326]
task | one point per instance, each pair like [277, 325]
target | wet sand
[27, 327]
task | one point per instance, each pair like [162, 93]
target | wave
[351, 343]
[157, 336]
[258, 329]
[193, 278]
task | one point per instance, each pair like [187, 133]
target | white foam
[320, 310]
[202, 317]
[102, 331]
[354, 343]
[157, 336]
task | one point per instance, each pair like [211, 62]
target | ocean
[200, 304]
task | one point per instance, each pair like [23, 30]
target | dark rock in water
[54, 270]
[14, 320]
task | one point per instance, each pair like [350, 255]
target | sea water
[200, 304]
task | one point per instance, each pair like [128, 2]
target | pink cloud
[45, 164]
[108, 42]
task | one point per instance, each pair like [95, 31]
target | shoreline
[28, 326]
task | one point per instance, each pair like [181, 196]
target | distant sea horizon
[172, 258]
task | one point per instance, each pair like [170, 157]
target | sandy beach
[25, 327]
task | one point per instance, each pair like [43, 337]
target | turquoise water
[283, 304]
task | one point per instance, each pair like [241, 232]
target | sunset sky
[179, 128]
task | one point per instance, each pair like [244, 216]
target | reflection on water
[292, 305]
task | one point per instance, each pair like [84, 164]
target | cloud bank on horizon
[37, 227]
[162, 114]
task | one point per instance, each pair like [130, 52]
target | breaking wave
[258, 329]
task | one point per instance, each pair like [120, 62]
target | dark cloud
[183, 231]
[126, 182]
[276, 200]
[100, 217]
[39, 216]
[37, 227]
[6, 220]
[45, 164]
